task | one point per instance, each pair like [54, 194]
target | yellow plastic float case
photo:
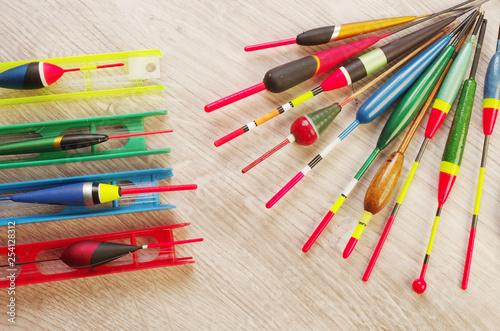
[139, 74]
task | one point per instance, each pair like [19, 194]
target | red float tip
[378, 249]
[229, 137]
[270, 44]
[235, 97]
[419, 285]
[154, 189]
[468, 258]
[110, 65]
[318, 231]
[349, 247]
[138, 134]
[96, 67]
[284, 190]
[266, 155]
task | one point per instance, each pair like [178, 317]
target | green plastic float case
[135, 146]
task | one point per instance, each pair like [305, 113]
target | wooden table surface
[250, 272]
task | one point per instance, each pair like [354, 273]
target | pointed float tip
[210, 108]
[229, 137]
[419, 285]
[349, 247]
[270, 44]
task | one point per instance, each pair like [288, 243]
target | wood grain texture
[250, 272]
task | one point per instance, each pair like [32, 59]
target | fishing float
[287, 75]
[326, 34]
[65, 142]
[36, 75]
[89, 254]
[384, 182]
[446, 95]
[393, 165]
[88, 193]
[491, 104]
[355, 70]
[307, 129]
[454, 149]
[375, 105]
[29, 265]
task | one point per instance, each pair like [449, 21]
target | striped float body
[281, 109]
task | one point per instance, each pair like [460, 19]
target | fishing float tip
[419, 285]
[363, 221]
[36, 75]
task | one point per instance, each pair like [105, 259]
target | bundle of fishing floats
[431, 67]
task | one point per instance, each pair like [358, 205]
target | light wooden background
[250, 272]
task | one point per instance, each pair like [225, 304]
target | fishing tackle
[87, 193]
[89, 254]
[92, 255]
[138, 72]
[30, 213]
[65, 142]
[306, 130]
[399, 119]
[383, 184]
[390, 170]
[352, 72]
[331, 33]
[290, 74]
[448, 91]
[491, 104]
[35, 75]
[453, 152]
[136, 145]
[374, 105]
